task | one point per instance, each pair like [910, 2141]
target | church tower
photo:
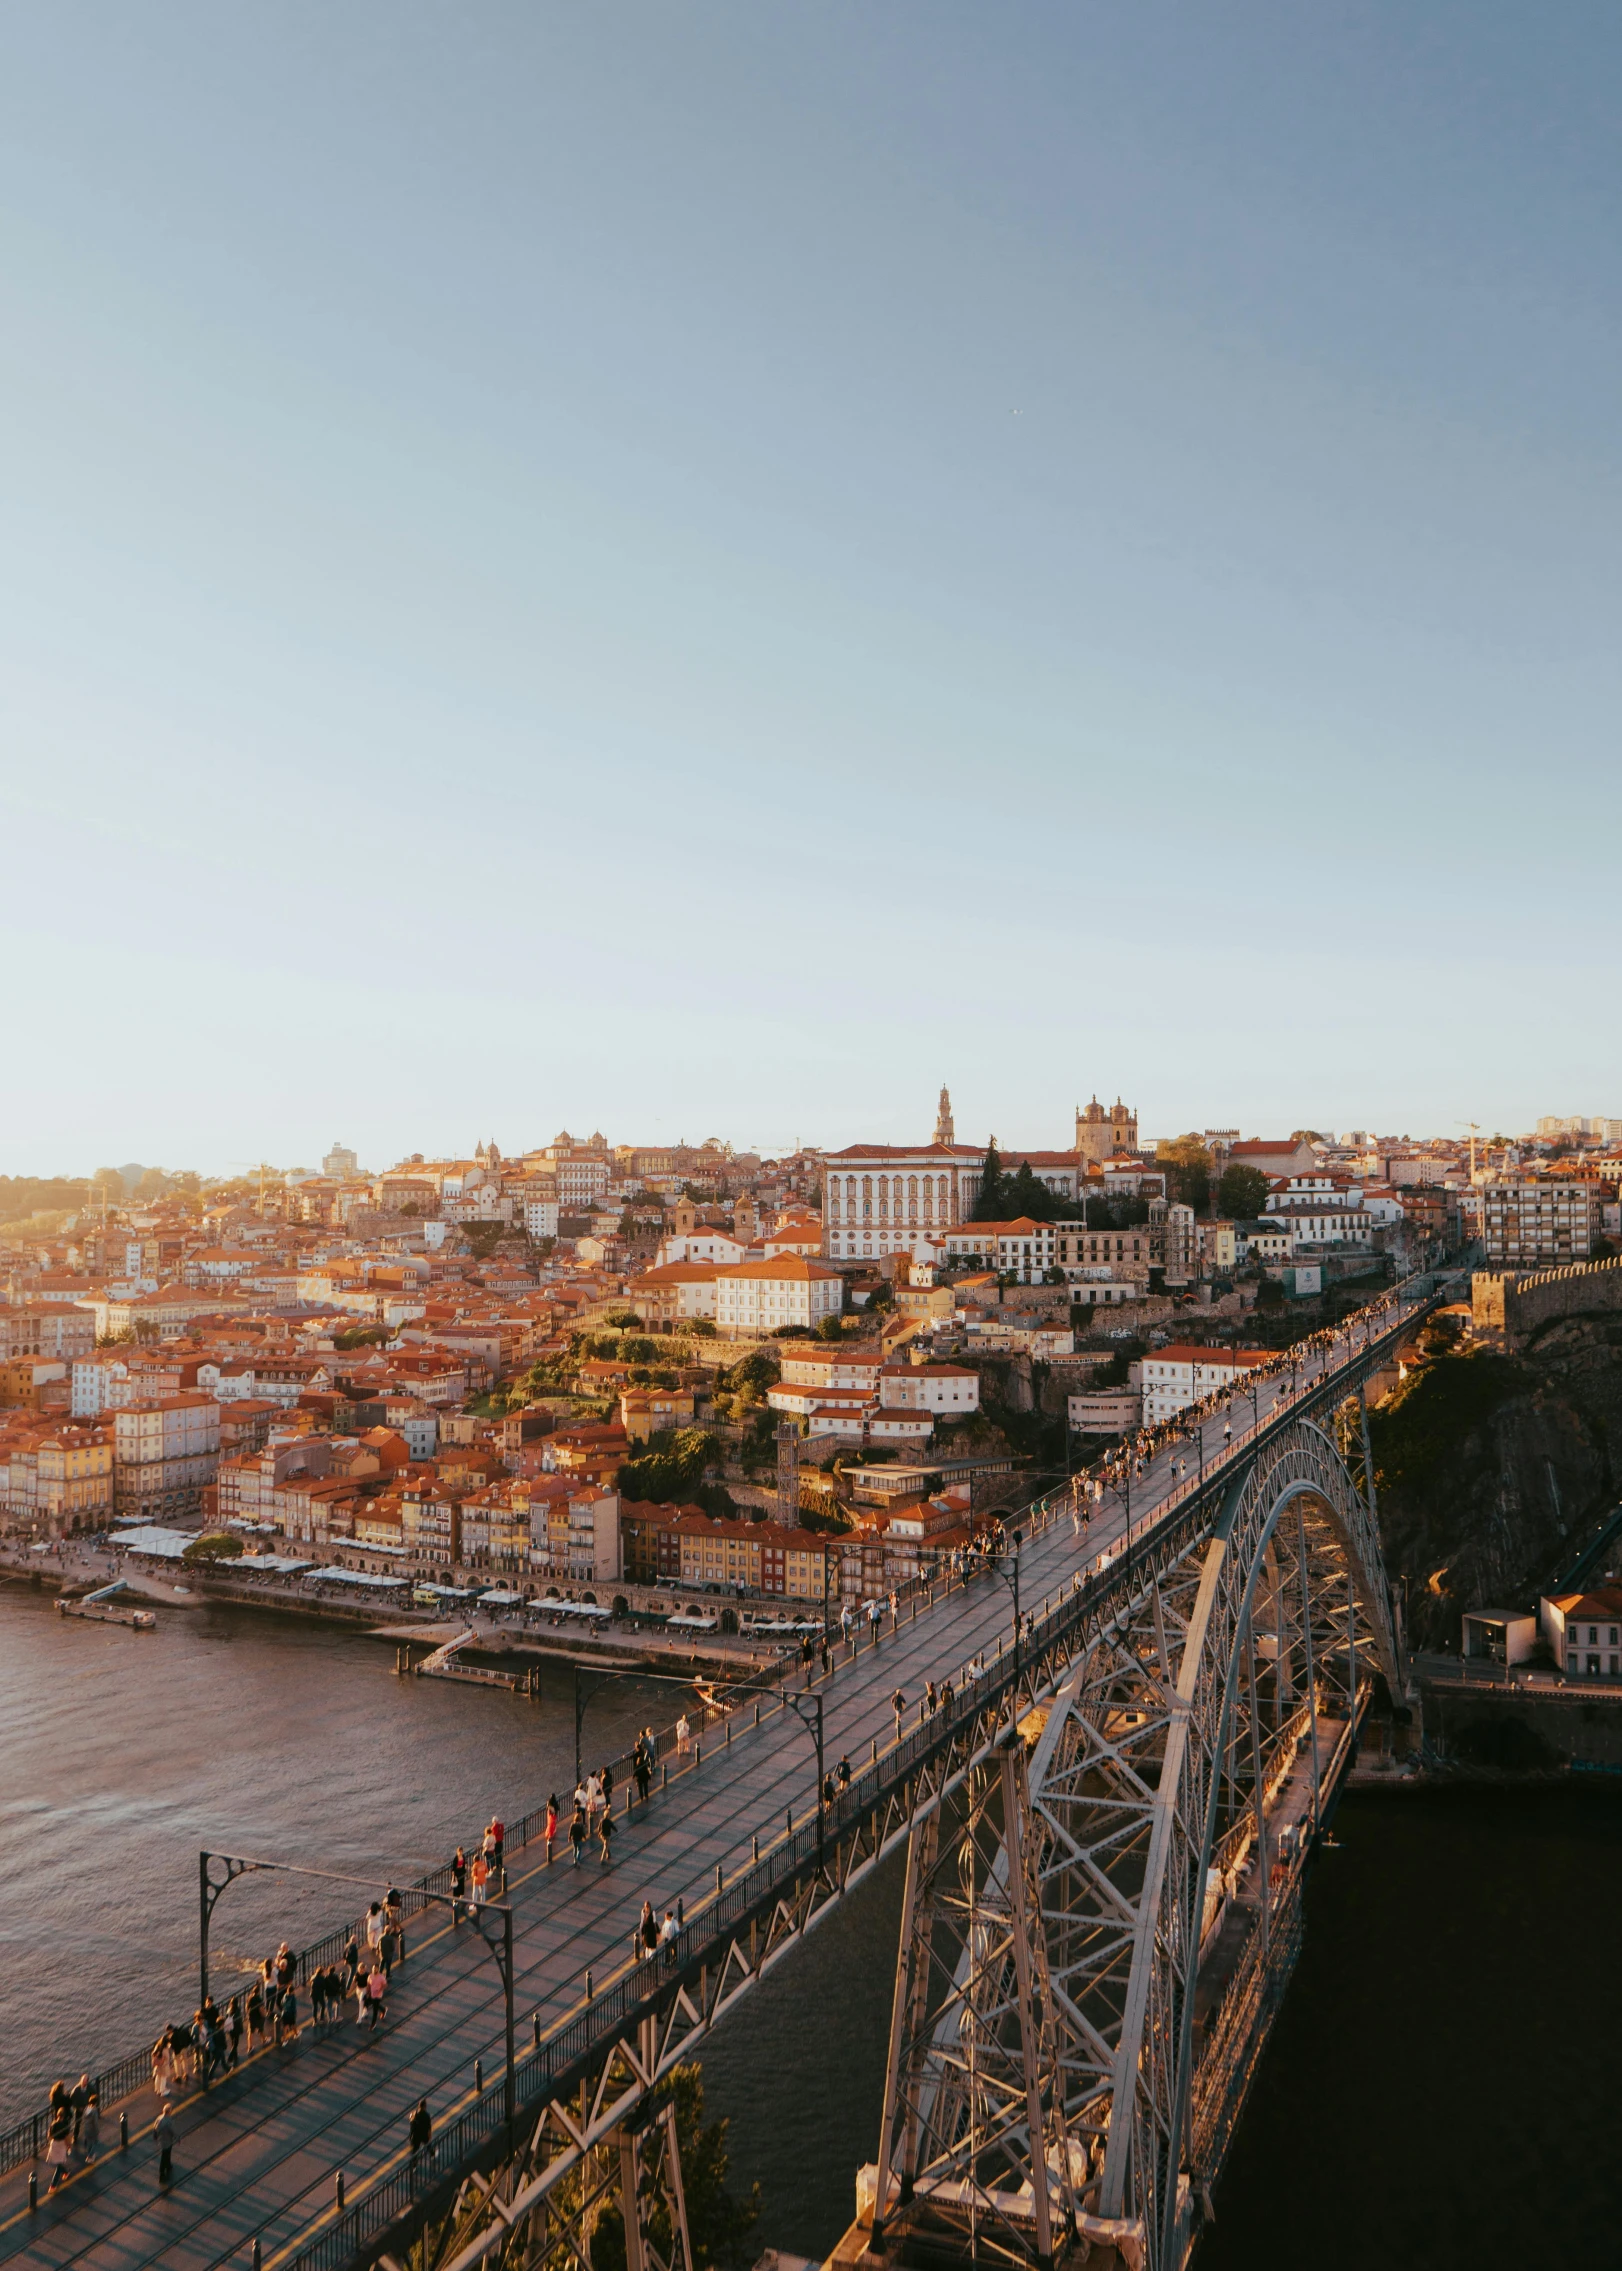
[943, 1118]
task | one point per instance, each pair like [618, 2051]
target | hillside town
[610, 1376]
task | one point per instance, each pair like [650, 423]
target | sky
[703, 571]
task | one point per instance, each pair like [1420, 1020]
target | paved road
[256, 2157]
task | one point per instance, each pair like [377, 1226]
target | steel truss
[1045, 2080]
[1148, 1751]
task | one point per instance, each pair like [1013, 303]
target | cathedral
[1102, 1135]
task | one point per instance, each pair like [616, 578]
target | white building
[1172, 1378]
[703, 1243]
[1585, 1632]
[832, 1367]
[541, 1217]
[1106, 1411]
[760, 1297]
[1021, 1249]
[950, 1389]
[880, 1198]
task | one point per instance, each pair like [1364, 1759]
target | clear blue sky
[702, 570]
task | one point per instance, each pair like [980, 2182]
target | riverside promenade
[257, 2157]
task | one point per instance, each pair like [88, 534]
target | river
[1438, 2093]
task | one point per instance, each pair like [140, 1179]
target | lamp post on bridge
[211, 1884]
[1000, 1564]
[600, 1680]
[799, 1701]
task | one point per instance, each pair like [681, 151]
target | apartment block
[1538, 1222]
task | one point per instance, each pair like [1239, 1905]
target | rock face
[1493, 1471]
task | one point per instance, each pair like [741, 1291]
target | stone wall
[1517, 1302]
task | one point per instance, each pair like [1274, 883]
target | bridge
[1142, 1708]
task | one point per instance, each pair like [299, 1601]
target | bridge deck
[255, 2157]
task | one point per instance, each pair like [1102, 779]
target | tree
[1242, 1192]
[1307, 1135]
[988, 1206]
[1188, 1171]
[718, 2226]
[215, 1545]
[831, 1329]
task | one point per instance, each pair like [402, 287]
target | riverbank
[717, 1655]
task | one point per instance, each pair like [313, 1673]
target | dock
[101, 1607]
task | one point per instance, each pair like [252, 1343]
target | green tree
[1242, 1192]
[718, 2226]
[1188, 1171]
[988, 1207]
[672, 1466]
[757, 1371]
[215, 1545]
[831, 1329]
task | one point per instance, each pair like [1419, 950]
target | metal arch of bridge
[1052, 1932]
[497, 2196]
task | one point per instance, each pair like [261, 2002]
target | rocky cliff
[1493, 1471]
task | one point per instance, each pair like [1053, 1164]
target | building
[165, 1451]
[341, 1164]
[883, 1198]
[56, 1479]
[674, 1293]
[1585, 1632]
[1102, 1135]
[834, 1364]
[1499, 1636]
[574, 1534]
[1540, 1221]
[761, 1297]
[52, 1328]
[1022, 1249]
[1172, 1378]
[1326, 1220]
[1106, 1411]
[951, 1390]
[648, 1411]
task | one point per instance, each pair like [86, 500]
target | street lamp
[998, 1563]
[582, 1696]
[799, 1701]
[211, 1884]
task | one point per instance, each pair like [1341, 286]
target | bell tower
[943, 1118]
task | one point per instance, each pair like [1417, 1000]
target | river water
[1439, 2093]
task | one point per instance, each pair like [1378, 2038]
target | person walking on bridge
[551, 1825]
[642, 1765]
[577, 1834]
[458, 1884]
[898, 1704]
[163, 2136]
[420, 2135]
[393, 1928]
[605, 1833]
[59, 2143]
